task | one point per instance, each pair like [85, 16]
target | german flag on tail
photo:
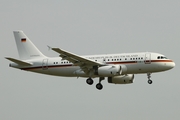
[23, 40]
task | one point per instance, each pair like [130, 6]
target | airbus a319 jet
[117, 68]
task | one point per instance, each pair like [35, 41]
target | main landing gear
[89, 81]
[149, 78]
[99, 86]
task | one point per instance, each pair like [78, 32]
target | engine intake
[122, 79]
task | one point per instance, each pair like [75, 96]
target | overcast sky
[90, 27]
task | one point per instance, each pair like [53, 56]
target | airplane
[117, 68]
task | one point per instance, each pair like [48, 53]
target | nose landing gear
[150, 81]
[149, 78]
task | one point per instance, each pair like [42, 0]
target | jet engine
[111, 70]
[122, 79]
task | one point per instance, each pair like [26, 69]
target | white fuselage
[136, 63]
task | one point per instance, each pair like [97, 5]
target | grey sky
[90, 27]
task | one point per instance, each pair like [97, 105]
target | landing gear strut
[99, 86]
[149, 78]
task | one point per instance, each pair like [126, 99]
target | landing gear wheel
[89, 81]
[99, 86]
[150, 81]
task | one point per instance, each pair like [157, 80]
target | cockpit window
[161, 57]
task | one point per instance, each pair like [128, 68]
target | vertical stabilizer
[26, 49]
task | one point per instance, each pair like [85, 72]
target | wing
[85, 64]
[76, 59]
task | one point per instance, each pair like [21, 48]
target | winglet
[49, 47]
[19, 62]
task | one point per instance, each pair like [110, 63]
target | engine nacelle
[111, 70]
[122, 79]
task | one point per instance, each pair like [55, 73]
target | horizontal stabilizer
[19, 62]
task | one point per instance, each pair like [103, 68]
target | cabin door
[147, 58]
[45, 64]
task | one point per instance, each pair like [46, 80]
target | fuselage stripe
[117, 62]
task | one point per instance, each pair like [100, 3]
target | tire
[99, 86]
[89, 81]
[150, 81]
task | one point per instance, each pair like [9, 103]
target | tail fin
[26, 49]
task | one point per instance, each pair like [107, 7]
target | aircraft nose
[171, 65]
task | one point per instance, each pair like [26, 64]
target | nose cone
[171, 65]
